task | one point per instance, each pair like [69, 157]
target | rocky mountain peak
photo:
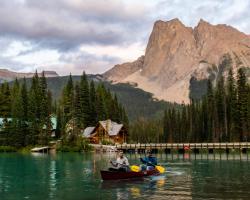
[176, 53]
[204, 23]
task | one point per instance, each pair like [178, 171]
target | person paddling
[121, 163]
[149, 161]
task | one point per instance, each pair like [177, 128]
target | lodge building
[106, 131]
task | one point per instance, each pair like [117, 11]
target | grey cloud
[77, 62]
[64, 25]
[84, 57]
[7, 62]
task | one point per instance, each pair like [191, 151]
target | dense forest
[137, 102]
[222, 115]
[26, 111]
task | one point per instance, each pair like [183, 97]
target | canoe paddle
[135, 168]
[159, 168]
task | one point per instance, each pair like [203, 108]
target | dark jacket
[149, 161]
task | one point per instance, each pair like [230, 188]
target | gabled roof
[111, 127]
[88, 131]
[53, 121]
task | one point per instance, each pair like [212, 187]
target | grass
[7, 149]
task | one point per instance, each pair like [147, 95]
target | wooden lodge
[106, 131]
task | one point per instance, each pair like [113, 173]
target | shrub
[106, 142]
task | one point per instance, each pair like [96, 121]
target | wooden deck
[41, 149]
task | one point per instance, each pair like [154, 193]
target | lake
[77, 176]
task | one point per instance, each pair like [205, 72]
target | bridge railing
[233, 145]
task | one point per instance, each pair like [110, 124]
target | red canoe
[116, 175]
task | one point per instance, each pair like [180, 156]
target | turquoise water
[76, 176]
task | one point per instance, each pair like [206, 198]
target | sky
[72, 36]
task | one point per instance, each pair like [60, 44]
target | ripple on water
[77, 176]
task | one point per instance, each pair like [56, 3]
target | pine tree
[92, 107]
[248, 112]
[77, 107]
[85, 100]
[231, 102]
[68, 100]
[5, 101]
[100, 104]
[220, 108]
[32, 137]
[242, 104]
[211, 111]
[18, 123]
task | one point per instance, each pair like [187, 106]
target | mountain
[7, 75]
[178, 59]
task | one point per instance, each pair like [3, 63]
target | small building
[53, 120]
[3, 122]
[106, 131]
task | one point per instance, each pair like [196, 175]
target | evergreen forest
[222, 115]
[26, 110]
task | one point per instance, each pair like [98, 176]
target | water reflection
[52, 180]
[77, 176]
[127, 189]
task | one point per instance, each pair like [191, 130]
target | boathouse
[106, 131]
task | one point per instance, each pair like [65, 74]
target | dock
[41, 149]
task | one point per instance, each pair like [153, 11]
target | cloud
[76, 35]
[232, 12]
[64, 25]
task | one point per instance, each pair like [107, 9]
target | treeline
[26, 112]
[144, 130]
[83, 104]
[222, 115]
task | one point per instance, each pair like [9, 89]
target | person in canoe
[149, 161]
[121, 163]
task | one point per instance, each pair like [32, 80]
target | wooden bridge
[104, 148]
[182, 147]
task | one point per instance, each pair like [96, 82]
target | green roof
[54, 122]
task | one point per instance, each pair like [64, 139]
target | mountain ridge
[176, 53]
[8, 75]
